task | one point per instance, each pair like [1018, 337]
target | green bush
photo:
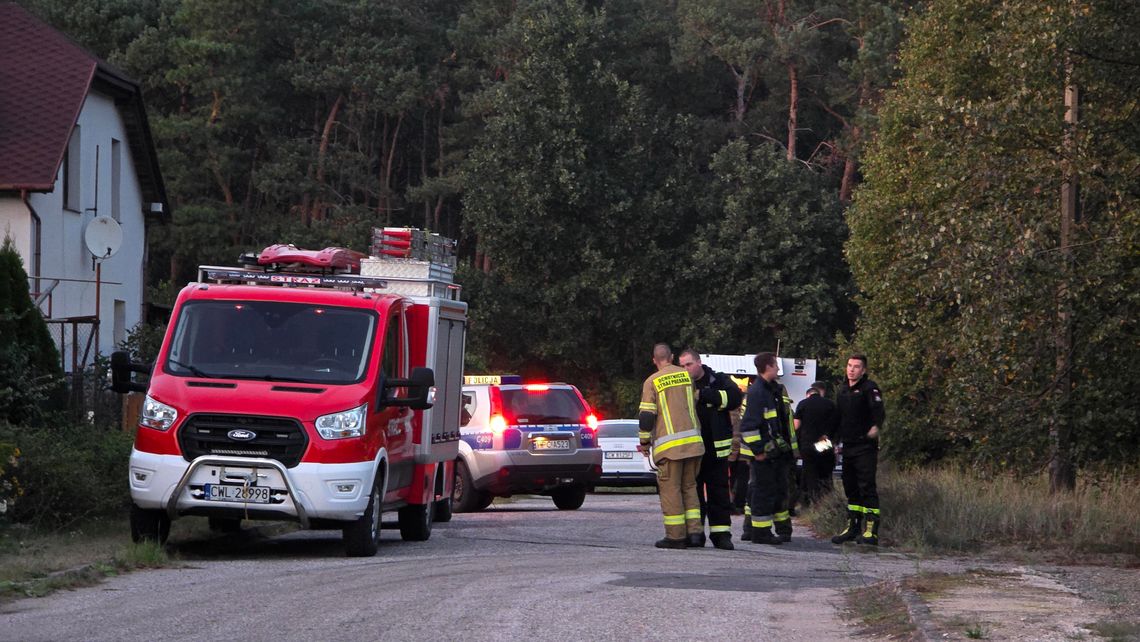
[68, 473]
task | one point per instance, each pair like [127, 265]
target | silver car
[623, 463]
[518, 438]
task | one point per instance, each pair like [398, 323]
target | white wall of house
[64, 254]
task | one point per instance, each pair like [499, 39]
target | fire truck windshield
[271, 341]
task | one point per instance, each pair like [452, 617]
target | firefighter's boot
[764, 536]
[723, 541]
[870, 535]
[783, 529]
[696, 540]
[671, 543]
[854, 525]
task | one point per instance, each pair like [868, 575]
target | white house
[75, 145]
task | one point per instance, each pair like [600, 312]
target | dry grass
[35, 563]
[948, 510]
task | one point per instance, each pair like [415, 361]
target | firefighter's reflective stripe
[855, 509]
[644, 435]
[723, 399]
[750, 437]
[762, 522]
[676, 439]
[647, 406]
[720, 529]
[746, 451]
[783, 516]
[674, 520]
[723, 447]
[769, 413]
[693, 513]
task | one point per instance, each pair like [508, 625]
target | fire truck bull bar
[250, 462]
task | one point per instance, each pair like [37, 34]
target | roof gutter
[37, 241]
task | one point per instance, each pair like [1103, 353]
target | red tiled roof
[44, 79]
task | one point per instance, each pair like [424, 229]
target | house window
[72, 159]
[116, 177]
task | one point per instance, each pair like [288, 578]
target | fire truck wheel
[150, 525]
[415, 522]
[362, 537]
[568, 497]
[225, 525]
[465, 497]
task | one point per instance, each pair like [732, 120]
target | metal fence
[87, 396]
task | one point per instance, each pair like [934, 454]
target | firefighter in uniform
[668, 422]
[716, 396]
[761, 431]
[786, 462]
[861, 414]
[816, 423]
[738, 465]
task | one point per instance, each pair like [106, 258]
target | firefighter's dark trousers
[860, 462]
[816, 474]
[677, 490]
[712, 488]
[768, 491]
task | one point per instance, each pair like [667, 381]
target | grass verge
[34, 564]
[950, 510]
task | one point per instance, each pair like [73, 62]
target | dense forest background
[736, 176]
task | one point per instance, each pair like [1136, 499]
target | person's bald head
[662, 354]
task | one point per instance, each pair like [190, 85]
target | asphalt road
[521, 570]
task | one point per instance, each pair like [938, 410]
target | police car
[524, 438]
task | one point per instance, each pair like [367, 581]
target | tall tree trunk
[793, 109]
[1062, 475]
[386, 179]
[442, 169]
[318, 209]
[741, 104]
[228, 197]
[424, 172]
[847, 185]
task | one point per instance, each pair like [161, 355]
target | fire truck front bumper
[250, 488]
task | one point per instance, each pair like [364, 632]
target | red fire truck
[321, 387]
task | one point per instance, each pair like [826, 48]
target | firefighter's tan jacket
[668, 394]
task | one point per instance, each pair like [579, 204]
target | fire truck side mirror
[420, 387]
[121, 369]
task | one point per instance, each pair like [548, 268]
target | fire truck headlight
[344, 424]
[157, 415]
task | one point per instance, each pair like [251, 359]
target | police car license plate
[233, 493]
[551, 444]
[619, 455]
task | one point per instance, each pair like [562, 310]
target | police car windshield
[550, 406]
[271, 341]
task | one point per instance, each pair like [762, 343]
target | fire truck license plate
[619, 455]
[551, 444]
[230, 493]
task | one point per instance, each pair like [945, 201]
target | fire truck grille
[273, 437]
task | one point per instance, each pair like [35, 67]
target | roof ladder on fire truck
[404, 261]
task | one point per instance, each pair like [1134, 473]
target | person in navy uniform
[861, 415]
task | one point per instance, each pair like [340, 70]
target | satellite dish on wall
[103, 237]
